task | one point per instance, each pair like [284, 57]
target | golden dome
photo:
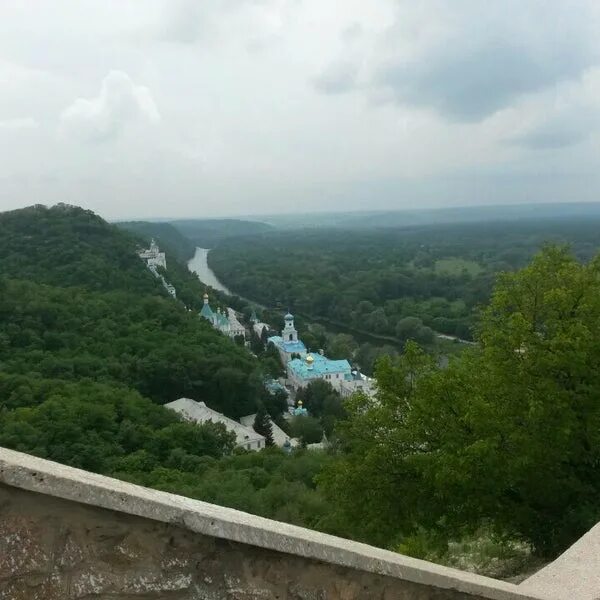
[205, 296]
[299, 402]
[310, 359]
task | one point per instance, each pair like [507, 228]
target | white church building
[302, 366]
[198, 412]
[153, 256]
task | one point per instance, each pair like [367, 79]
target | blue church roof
[207, 312]
[288, 347]
[222, 320]
[274, 386]
[321, 366]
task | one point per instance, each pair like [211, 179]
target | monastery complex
[154, 260]
[302, 366]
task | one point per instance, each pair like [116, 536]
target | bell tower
[289, 333]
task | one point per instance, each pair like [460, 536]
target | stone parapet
[67, 533]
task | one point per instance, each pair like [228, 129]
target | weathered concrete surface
[67, 533]
[575, 573]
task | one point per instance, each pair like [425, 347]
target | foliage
[269, 483]
[372, 279]
[483, 552]
[322, 402]
[150, 343]
[508, 434]
[275, 403]
[341, 346]
[168, 238]
[456, 266]
[91, 346]
[98, 426]
[367, 356]
[307, 429]
[263, 426]
[67, 246]
[207, 233]
[412, 328]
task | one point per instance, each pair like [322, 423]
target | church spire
[289, 333]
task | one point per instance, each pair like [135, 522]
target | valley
[94, 344]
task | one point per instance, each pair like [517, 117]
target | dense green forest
[502, 444]
[91, 347]
[166, 235]
[507, 437]
[66, 247]
[396, 282]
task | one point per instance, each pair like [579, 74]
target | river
[199, 265]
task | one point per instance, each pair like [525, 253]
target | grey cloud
[548, 138]
[191, 21]
[469, 83]
[337, 78]
[482, 63]
[351, 33]
[564, 130]
[184, 21]
[104, 117]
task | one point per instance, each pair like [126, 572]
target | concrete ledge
[33, 474]
[576, 570]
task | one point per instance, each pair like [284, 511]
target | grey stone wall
[55, 549]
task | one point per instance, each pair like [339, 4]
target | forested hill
[90, 349]
[166, 235]
[182, 237]
[69, 246]
[119, 325]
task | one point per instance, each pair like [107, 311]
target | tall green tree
[307, 429]
[508, 434]
[263, 425]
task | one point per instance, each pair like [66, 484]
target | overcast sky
[193, 108]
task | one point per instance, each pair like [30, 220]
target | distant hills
[182, 237]
[407, 218]
[166, 235]
[68, 246]
[207, 233]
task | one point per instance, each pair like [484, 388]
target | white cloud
[13, 74]
[120, 103]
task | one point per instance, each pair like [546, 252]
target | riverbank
[199, 265]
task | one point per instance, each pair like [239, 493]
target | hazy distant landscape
[390, 300]
[379, 279]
